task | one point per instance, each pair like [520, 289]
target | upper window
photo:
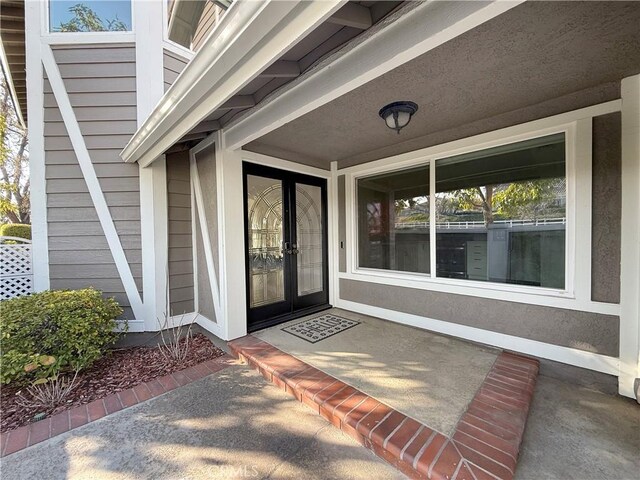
[500, 216]
[90, 16]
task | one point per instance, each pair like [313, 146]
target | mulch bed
[118, 370]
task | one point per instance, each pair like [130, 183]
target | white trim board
[199, 205]
[570, 356]
[35, 113]
[282, 164]
[630, 238]
[91, 179]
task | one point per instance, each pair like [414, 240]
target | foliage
[14, 161]
[86, 20]
[526, 200]
[53, 331]
[15, 230]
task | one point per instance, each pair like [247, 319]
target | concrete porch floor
[426, 376]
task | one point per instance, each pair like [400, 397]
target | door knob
[294, 249]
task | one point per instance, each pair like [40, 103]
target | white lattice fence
[16, 273]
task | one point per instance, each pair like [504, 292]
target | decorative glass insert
[266, 232]
[501, 214]
[89, 16]
[309, 236]
[393, 221]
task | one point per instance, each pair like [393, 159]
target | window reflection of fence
[480, 223]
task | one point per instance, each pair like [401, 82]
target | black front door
[285, 217]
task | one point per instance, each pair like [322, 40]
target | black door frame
[293, 306]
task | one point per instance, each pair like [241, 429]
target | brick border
[484, 445]
[28, 435]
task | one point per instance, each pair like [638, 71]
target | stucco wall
[100, 82]
[181, 282]
[582, 330]
[607, 205]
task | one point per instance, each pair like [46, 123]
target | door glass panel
[266, 262]
[309, 239]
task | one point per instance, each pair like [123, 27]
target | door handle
[294, 249]
[286, 248]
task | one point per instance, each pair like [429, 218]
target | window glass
[501, 214]
[90, 15]
[393, 221]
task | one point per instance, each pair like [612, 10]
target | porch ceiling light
[397, 115]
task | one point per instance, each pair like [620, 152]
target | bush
[53, 331]
[15, 230]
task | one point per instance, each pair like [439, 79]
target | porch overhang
[250, 41]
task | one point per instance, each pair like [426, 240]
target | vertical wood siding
[173, 66]
[181, 284]
[100, 81]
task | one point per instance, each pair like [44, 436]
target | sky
[105, 9]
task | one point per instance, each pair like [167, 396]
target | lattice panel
[16, 275]
[16, 260]
[11, 287]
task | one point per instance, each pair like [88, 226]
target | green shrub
[15, 230]
[53, 331]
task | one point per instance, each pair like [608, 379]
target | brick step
[484, 445]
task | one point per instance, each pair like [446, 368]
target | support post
[148, 22]
[630, 240]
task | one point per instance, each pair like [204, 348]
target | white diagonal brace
[206, 239]
[90, 177]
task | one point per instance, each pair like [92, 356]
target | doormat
[318, 328]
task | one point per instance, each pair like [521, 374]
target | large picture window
[499, 214]
[89, 16]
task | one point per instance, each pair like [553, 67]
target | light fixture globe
[397, 115]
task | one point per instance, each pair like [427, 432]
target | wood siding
[208, 20]
[101, 84]
[181, 282]
[173, 66]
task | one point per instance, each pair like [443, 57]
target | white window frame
[85, 37]
[429, 157]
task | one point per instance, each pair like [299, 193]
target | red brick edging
[484, 445]
[23, 437]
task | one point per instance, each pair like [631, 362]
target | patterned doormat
[318, 328]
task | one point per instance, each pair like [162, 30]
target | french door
[285, 217]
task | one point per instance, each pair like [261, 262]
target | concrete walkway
[574, 433]
[234, 425]
[230, 425]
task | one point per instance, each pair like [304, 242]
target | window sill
[450, 285]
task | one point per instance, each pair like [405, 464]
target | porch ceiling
[12, 40]
[536, 60]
